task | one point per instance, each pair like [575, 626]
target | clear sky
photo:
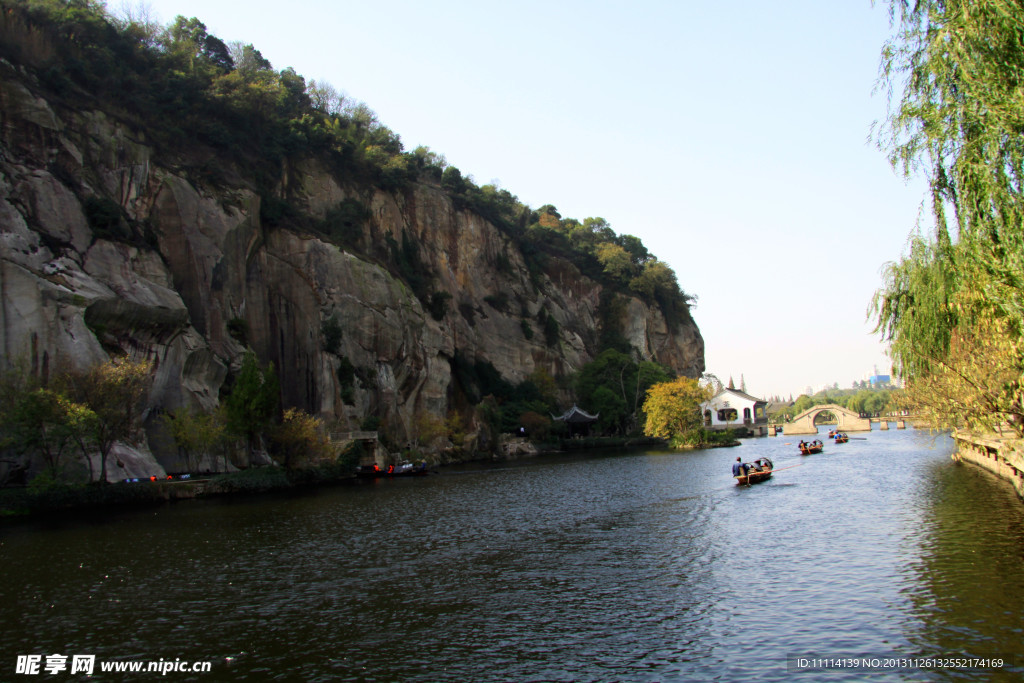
[732, 138]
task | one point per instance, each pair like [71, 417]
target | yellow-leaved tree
[673, 410]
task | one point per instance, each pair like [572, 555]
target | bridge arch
[848, 421]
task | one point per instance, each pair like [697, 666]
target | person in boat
[738, 469]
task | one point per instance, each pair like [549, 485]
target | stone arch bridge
[849, 421]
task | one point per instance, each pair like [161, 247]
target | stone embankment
[1003, 456]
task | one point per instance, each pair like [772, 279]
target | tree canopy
[953, 308]
[673, 409]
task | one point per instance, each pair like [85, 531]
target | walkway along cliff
[111, 245]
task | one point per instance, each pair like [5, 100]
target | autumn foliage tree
[673, 410]
[299, 440]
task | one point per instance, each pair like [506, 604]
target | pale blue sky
[733, 138]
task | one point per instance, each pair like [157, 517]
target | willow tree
[954, 306]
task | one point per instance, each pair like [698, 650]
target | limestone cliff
[190, 271]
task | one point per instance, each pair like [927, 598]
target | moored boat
[756, 471]
[402, 469]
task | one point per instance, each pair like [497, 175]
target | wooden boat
[403, 469]
[841, 438]
[808, 447]
[759, 470]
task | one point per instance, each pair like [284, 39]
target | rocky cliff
[108, 247]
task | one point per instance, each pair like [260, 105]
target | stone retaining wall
[1003, 457]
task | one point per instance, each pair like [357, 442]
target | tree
[189, 40]
[673, 409]
[547, 386]
[452, 180]
[325, 97]
[456, 430]
[115, 392]
[429, 428]
[615, 385]
[249, 62]
[615, 260]
[611, 409]
[958, 120]
[636, 248]
[712, 382]
[537, 426]
[45, 423]
[196, 435]
[253, 400]
[299, 440]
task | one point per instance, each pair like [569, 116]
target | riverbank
[61, 499]
[1003, 456]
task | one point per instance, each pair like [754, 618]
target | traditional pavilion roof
[576, 415]
[740, 394]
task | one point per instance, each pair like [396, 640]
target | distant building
[775, 407]
[880, 380]
[734, 408]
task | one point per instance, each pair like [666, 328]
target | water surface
[649, 566]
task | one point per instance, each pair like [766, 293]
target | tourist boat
[841, 438]
[759, 470]
[808, 447]
[402, 469]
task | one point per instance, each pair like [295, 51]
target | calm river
[626, 567]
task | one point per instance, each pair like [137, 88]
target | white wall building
[733, 408]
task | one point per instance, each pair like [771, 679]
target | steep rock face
[199, 276]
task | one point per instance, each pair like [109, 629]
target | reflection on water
[964, 577]
[644, 566]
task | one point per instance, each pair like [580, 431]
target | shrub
[106, 219]
[331, 330]
[253, 480]
[438, 305]
[239, 330]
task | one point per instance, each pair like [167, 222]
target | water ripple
[640, 567]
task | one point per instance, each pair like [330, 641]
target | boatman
[737, 468]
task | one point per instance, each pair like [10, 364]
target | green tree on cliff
[614, 385]
[115, 393]
[197, 435]
[45, 423]
[253, 401]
